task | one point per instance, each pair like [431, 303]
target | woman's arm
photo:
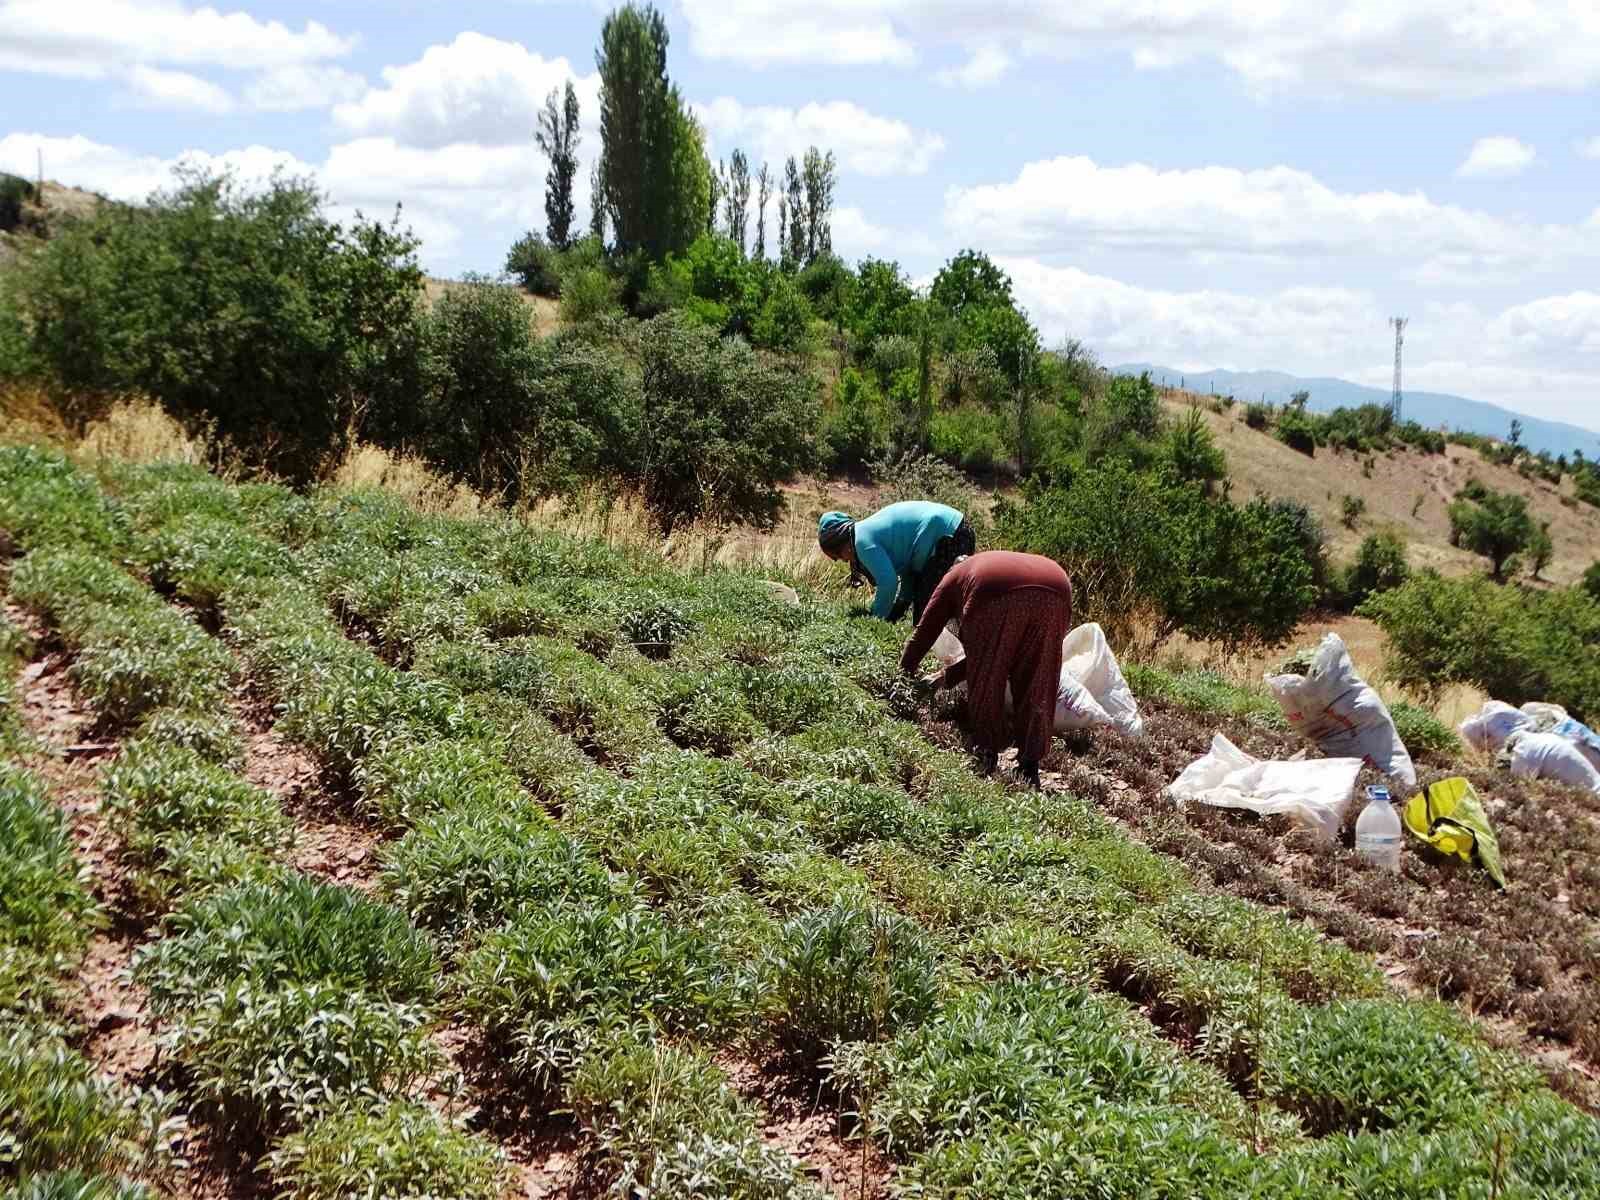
[942, 607]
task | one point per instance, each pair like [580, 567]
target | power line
[1399, 324]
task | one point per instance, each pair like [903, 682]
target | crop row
[643, 813]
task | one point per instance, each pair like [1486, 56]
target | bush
[1298, 431]
[846, 973]
[262, 1056]
[1591, 581]
[588, 294]
[1193, 453]
[14, 193]
[58, 1113]
[290, 931]
[1493, 524]
[404, 1150]
[855, 429]
[1422, 732]
[1257, 415]
[258, 316]
[1379, 566]
[1351, 509]
[969, 436]
[723, 427]
[1515, 645]
[784, 319]
[535, 264]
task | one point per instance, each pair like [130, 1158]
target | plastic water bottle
[1378, 831]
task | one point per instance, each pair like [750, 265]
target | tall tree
[763, 194]
[737, 199]
[794, 253]
[654, 179]
[783, 229]
[818, 175]
[597, 205]
[557, 136]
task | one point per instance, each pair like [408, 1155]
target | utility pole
[1399, 324]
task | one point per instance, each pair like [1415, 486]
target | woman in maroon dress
[1012, 611]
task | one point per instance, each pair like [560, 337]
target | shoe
[1027, 774]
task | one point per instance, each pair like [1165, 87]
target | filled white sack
[1342, 714]
[1551, 756]
[1091, 690]
[1489, 728]
[1086, 659]
[1314, 793]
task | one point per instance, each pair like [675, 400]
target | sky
[1244, 184]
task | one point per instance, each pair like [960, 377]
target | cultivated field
[356, 851]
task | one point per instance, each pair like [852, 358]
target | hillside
[1260, 464]
[1436, 410]
[58, 202]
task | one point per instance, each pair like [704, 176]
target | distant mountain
[1435, 409]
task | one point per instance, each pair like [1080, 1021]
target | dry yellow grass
[411, 479]
[137, 431]
[544, 313]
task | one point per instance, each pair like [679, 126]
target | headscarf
[834, 530]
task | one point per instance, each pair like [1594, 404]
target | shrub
[72, 1185]
[477, 866]
[264, 1056]
[46, 911]
[1591, 581]
[1493, 524]
[1193, 453]
[588, 294]
[668, 1125]
[14, 193]
[535, 264]
[855, 429]
[260, 317]
[57, 1112]
[562, 981]
[1422, 732]
[784, 319]
[46, 502]
[1257, 415]
[291, 931]
[1298, 432]
[1515, 645]
[403, 1150]
[969, 436]
[848, 972]
[723, 426]
[1380, 565]
[1351, 509]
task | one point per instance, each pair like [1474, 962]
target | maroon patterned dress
[1014, 610]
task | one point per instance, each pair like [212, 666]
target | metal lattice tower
[1399, 324]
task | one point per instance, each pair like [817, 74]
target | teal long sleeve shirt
[896, 541]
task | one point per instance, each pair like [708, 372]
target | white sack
[1086, 659]
[1551, 756]
[1315, 793]
[1337, 709]
[1494, 723]
[1581, 736]
[1099, 695]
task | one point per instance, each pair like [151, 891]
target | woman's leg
[1035, 675]
[986, 633]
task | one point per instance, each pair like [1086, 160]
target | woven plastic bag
[1342, 714]
[1488, 729]
[1314, 793]
[1551, 756]
[1086, 659]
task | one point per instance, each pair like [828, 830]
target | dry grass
[28, 415]
[138, 431]
[409, 478]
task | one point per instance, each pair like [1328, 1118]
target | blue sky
[1231, 183]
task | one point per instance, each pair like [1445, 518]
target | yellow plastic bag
[1449, 816]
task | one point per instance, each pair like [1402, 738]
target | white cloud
[1590, 147]
[1428, 48]
[1496, 158]
[864, 142]
[157, 88]
[100, 38]
[855, 236]
[297, 87]
[986, 66]
[1562, 329]
[124, 175]
[476, 89]
[1276, 214]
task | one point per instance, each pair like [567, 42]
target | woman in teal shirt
[905, 549]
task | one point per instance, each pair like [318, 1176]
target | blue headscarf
[834, 530]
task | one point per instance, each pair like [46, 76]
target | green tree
[794, 251]
[1380, 565]
[882, 296]
[1193, 453]
[557, 136]
[1493, 524]
[818, 174]
[1541, 549]
[736, 202]
[970, 282]
[720, 428]
[536, 265]
[251, 312]
[655, 182]
[763, 195]
[1591, 581]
